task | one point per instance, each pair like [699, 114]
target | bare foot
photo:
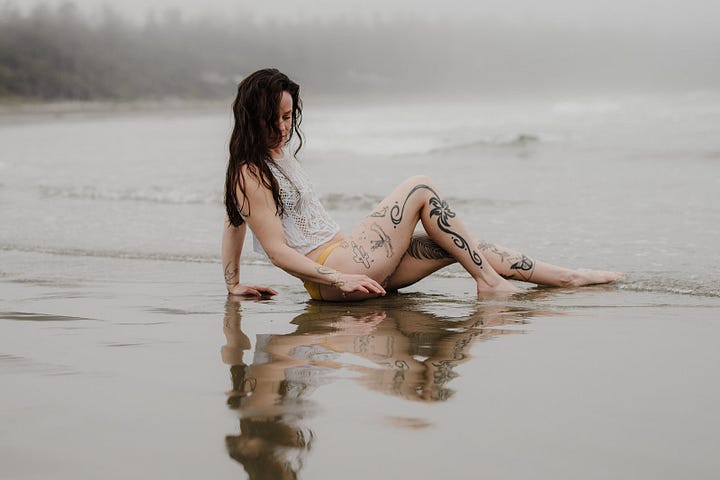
[582, 276]
[501, 286]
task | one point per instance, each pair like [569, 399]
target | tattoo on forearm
[440, 209]
[383, 241]
[425, 248]
[323, 270]
[231, 272]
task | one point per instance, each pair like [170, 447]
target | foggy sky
[676, 17]
[524, 45]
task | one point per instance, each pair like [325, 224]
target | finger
[377, 288]
[245, 293]
[266, 290]
[251, 291]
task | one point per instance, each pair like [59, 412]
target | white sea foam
[153, 194]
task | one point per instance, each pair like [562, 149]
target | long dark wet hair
[256, 131]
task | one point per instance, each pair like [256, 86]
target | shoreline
[33, 107]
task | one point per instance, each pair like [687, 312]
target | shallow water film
[121, 356]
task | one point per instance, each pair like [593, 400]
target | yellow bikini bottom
[313, 288]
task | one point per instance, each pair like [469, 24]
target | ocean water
[625, 183]
[121, 356]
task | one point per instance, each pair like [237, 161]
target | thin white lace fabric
[306, 223]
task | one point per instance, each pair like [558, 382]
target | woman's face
[285, 116]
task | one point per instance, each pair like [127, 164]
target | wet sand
[120, 368]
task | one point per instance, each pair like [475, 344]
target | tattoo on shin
[425, 248]
[230, 272]
[440, 209]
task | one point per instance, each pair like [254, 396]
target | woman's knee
[420, 180]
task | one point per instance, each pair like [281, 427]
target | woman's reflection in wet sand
[413, 351]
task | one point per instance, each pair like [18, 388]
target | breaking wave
[150, 194]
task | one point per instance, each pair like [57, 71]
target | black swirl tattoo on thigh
[440, 209]
[396, 213]
[424, 248]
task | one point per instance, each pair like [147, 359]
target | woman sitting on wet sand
[267, 189]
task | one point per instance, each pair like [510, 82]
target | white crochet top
[306, 223]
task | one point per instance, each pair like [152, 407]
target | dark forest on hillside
[57, 54]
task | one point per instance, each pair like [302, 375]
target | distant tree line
[57, 53]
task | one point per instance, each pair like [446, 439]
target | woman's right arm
[232, 245]
[265, 223]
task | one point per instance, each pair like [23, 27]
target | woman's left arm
[232, 244]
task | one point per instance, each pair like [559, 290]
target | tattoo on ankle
[423, 248]
[230, 273]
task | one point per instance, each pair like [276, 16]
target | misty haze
[62, 52]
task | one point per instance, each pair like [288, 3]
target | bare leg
[384, 248]
[377, 246]
[423, 257]
[518, 266]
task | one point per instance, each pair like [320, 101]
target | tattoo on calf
[440, 209]
[523, 266]
[486, 246]
[230, 272]
[425, 248]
